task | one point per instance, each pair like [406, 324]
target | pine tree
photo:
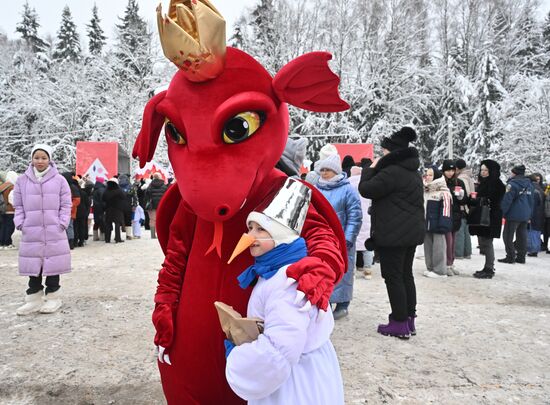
[134, 43]
[95, 34]
[546, 43]
[28, 28]
[482, 136]
[67, 47]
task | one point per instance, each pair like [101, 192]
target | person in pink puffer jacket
[42, 200]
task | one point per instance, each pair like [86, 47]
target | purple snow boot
[394, 328]
[412, 327]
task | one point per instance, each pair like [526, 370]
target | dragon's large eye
[173, 133]
[242, 126]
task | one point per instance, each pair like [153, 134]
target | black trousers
[80, 230]
[396, 267]
[116, 218]
[35, 284]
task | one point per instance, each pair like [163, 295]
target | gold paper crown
[192, 36]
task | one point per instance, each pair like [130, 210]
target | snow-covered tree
[96, 39]
[133, 49]
[67, 47]
[481, 137]
[28, 28]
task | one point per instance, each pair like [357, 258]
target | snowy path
[478, 342]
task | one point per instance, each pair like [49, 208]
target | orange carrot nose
[244, 243]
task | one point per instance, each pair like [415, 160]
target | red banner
[97, 159]
[357, 150]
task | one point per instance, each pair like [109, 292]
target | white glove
[159, 354]
[460, 194]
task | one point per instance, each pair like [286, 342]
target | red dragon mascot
[226, 124]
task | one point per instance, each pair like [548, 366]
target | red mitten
[163, 319]
[315, 279]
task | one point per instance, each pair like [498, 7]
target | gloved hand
[163, 319]
[315, 282]
[460, 194]
[229, 345]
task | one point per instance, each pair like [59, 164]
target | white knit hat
[113, 179]
[42, 146]
[280, 233]
[327, 150]
[332, 163]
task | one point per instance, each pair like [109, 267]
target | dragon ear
[152, 123]
[307, 82]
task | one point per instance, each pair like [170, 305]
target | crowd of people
[390, 206]
[386, 207]
[54, 212]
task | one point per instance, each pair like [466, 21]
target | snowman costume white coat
[293, 360]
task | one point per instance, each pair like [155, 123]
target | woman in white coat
[365, 258]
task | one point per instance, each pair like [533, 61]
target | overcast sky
[49, 13]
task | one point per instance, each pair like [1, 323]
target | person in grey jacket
[344, 198]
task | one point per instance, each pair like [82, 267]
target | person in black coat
[347, 164]
[460, 198]
[490, 190]
[153, 195]
[395, 187]
[99, 209]
[115, 204]
[82, 212]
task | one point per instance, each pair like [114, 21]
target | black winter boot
[485, 274]
[520, 259]
[508, 259]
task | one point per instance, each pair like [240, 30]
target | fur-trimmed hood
[407, 158]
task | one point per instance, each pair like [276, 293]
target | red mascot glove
[315, 279]
[163, 319]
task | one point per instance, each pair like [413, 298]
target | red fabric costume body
[219, 184]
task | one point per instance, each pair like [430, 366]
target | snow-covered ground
[478, 342]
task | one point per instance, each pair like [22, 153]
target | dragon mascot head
[223, 113]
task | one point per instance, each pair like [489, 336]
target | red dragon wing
[146, 141]
[308, 83]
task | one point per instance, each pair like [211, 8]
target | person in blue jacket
[517, 208]
[344, 198]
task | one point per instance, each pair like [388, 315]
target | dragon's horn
[192, 36]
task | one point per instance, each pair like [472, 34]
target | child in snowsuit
[293, 360]
[42, 212]
[138, 219]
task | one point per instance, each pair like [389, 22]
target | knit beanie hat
[113, 179]
[399, 139]
[42, 146]
[519, 170]
[2, 176]
[327, 151]
[460, 164]
[448, 164]
[332, 163]
[279, 233]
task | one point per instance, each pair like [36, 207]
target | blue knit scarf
[267, 265]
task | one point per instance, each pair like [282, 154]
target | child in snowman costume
[293, 360]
